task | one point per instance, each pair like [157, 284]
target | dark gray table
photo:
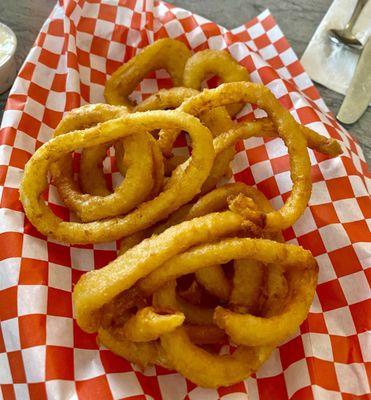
[297, 19]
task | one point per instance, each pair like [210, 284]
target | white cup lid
[8, 45]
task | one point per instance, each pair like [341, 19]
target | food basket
[43, 353]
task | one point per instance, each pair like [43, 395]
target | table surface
[298, 20]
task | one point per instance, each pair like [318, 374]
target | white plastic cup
[8, 68]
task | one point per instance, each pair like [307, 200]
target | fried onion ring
[288, 129]
[277, 289]
[216, 119]
[211, 370]
[147, 325]
[201, 367]
[134, 189]
[164, 53]
[167, 298]
[248, 279]
[91, 176]
[212, 98]
[264, 250]
[213, 279]
[166, 99]
[99, 287]
[148, 213]
[141, 155]
[302, 274]
[92, 180]
[216, 62]
[251, 330]
[143, 354]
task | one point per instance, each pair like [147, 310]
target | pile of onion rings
[199, 264]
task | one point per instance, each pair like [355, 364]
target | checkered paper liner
[43, 353]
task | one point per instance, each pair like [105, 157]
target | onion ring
[172, 163]
[217, 120]
[223, 252]
[223, 370]
[216, 62]
[212, 98]
[91, 177]
[248, 291]
[143, 354]
[147, 213]
[245, 130]
[251, 330]
[130, 241]
[288, 130]
[221, 168]
[167, 298]
[210, 370]
[277, 289]
[99, 287]
[205, 334]
[213, 279]
[164, 53]
[248, 280]
[302, 274]
[134, 189]
[147, 325]
[217, 200]
[142, 155]
[201, 367]
[158, 171]
[166, 99]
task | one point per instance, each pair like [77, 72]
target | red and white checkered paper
[43, 353]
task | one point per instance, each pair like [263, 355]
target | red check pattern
[43, 353]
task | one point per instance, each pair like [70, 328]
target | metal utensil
[345, 36]
[358, 95]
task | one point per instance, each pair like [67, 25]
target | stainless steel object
[358, 95]
[345, 36]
